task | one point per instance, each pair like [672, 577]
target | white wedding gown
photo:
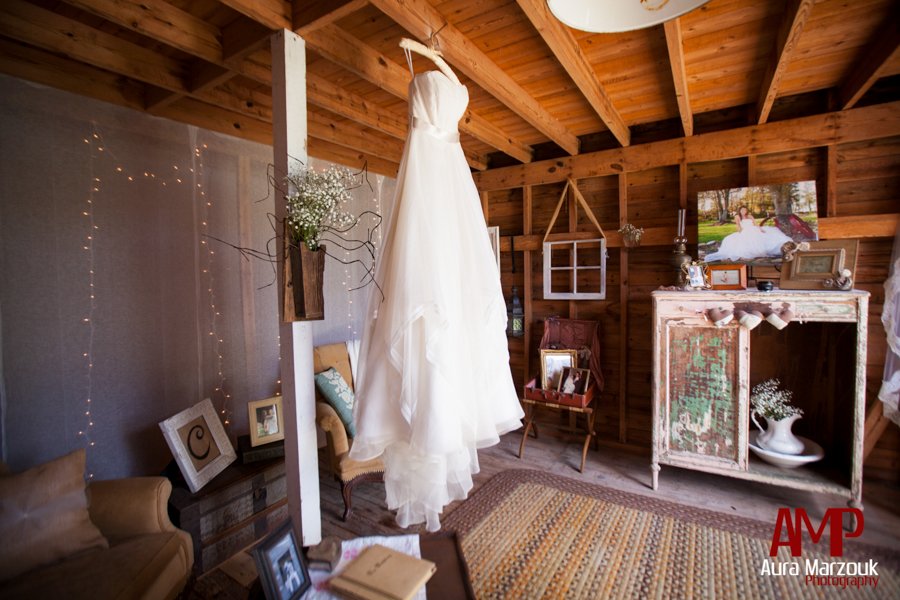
[434, 382]
[752, 241]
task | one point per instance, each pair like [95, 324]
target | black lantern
[515, 316]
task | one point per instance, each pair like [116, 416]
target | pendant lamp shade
[610, 16]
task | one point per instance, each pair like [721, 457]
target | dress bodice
[745, 223]
[437, 101]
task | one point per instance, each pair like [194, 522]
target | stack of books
[379, 573]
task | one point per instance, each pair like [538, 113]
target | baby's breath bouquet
[315, 203]
[771, 402]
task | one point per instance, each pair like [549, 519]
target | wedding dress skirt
[434, 382]
[752, 241]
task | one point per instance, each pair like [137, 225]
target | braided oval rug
[529, 534]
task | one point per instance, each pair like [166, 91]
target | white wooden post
[289, 141]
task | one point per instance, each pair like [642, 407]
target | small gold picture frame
[696, 275]
[552, 364]
[266, 419]
[728, 277]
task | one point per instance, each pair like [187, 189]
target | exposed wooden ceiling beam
[869, 123]
[675, 43]
[32, 64]
[422, 20]
[569, 54]
[44, 29]
[323, 93]
[241, 38]
[351, 158]
[310, 15]
[353, 136]
[868, 70]
[160, 20]
[36, 65]
[352, 54]
[796, 14]
[274, 14]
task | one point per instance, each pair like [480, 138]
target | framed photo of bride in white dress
[751, 224]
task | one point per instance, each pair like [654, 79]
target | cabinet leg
[654, 472]
[855, 503]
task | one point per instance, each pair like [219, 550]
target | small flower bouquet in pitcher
[774, 404]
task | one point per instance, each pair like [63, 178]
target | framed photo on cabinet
[728, 277]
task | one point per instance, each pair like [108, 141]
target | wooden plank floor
[623, 470]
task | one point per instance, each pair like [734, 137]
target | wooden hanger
[408, 44]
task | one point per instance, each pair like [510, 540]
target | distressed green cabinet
[701, 385]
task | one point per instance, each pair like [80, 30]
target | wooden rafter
[796, 14]
[869, 123]
[310, 15]
[351, 158]
[675, 44]
[352, 54]
[323, 93]
[422, 20]
[274, 14]
[248, 122]
[160, 20]
[346, 133]
[870, 67]
[569, 54]
[50, 31]
[43, 67]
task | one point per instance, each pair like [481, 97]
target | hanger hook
[434, 43]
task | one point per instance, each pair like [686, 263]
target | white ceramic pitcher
[777, 436]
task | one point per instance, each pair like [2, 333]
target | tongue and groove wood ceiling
[537, 88]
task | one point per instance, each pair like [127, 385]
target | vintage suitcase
[533, 391]
[240, 505]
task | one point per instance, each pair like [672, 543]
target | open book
[379, 573]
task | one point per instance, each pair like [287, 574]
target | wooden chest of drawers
[242, 504]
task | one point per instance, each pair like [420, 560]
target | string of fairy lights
[194, 175]
[95, 149]
[178, 175]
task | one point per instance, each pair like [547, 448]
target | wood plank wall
[858, 184]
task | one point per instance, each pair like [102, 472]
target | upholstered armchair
[348, 472]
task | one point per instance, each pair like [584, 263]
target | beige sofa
[147, 556]
[348, 472]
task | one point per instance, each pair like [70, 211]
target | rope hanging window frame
[573, 243]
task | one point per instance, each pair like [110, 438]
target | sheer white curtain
[890, 387]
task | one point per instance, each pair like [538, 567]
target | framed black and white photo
[199, 443]
[281, 566]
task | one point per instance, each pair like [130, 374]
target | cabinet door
[703, 418]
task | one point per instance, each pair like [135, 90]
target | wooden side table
[532, 407]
